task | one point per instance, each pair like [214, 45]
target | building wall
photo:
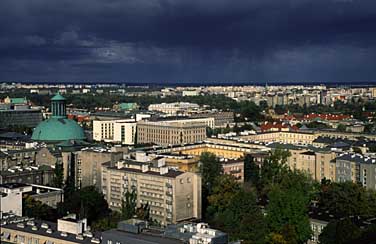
[27, 117]
[11, 202]
[123, 131]
[170, 199]
[88, 165]
[170, 134]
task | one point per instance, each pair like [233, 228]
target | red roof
[327, 116]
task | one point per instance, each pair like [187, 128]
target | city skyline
[188, 41]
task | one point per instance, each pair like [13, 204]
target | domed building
[58, 127]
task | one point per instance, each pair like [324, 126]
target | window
[109, 242]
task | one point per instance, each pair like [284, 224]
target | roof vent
[21, 225]
[34, 228]
[44, 226]
[49, 231]
[95, 240]
[79, 237]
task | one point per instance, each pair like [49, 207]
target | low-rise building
[68, 230]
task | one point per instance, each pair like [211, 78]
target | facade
[120, 131]
[85, 165]
[58, 127]
[356, 168]
[234, 168]
[13, 158]
[29, 117]
[221, 119]
[172, 132]
[283, 136]
[178, 108]
[40, 175]
[172, 195]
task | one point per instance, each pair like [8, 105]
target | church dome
[58, 128]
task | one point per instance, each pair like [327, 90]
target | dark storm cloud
[187, 40]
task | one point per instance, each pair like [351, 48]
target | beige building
[178, 108]
[173, 132]
[318, 164]
[283, 137]
[117, 131]
[172, 195]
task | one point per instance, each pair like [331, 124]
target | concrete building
[67, 231]
[85, 165]
[356, 168]
[234, 168]
[172, 132]
[221, 119]
[178, 108]
[116, 131]
[12, 194]
[172, 195]
[17, 112]
[40, 175]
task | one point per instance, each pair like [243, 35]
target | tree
[224, 190]
[129, 204]
[251, 170]
[287, 214]
[273, 169]
[340, 231]
[210, 169]
[87, 203]
[36, 209]
[143, 212]
[347, 199]
[58, 175]
[242, 218]
[341, 128]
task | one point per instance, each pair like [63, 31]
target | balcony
[168, 185]
[169, 193]
[168, 202]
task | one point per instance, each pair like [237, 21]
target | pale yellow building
[173, 196]
[173, 132]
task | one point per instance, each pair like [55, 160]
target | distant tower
[58, 106]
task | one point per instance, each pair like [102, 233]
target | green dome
[58, 129]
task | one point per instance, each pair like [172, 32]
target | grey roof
[357, 158]
[41, 231]
[126, 237]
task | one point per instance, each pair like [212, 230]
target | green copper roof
[58, 129]
[58, 97]
[127, 106]
[18, 100]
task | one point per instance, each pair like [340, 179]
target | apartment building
[172, 132]
[356, 168]
[172, 195]
[117, 131]
[85, 165]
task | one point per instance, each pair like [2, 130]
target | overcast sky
[188, 40]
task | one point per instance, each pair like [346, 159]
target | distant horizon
[205, 83]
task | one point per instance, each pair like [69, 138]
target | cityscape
[187, 122]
